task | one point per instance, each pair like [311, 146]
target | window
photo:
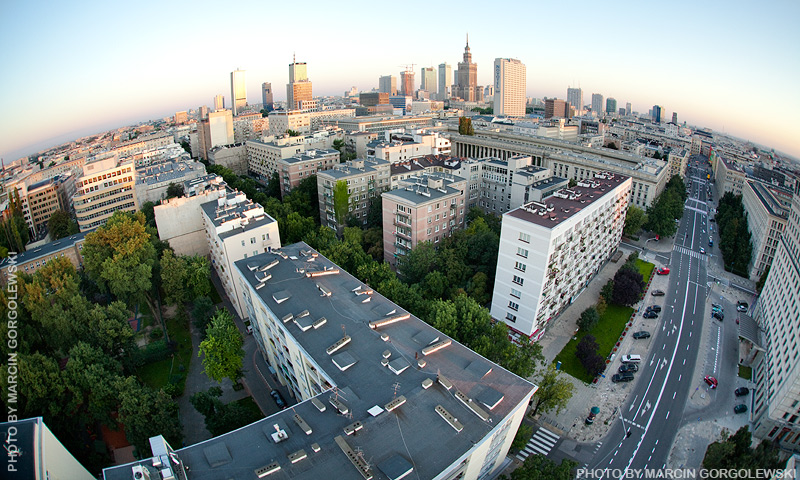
[516, 293]
[513, 306]
[522, 252]
[252, 240]
[265, 236]
[510, 317]
[243, 243]
[518, 280]
[520, 266]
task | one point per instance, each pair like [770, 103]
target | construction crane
[408, 65]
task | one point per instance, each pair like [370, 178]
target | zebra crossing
[541, 442]
[686, 251]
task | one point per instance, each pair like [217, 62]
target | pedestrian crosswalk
[686, 251]
[541, 442]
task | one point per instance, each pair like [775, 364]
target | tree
[465, 126]
[293, 133]
[554, 392]
[175, 190]
[221, 350]
[634, 220]
[221, 418]
[523, 435]
[375, 213]
[607, 292]
[588, 319]
[572, 183]
[146, 413]
[734, 452]
[273, 186]
[539, 467]
[586, 351]
[341, 201]
[174, 278]
[202, 312]
[762, 280]
[198, 276]
[15, 234]
[628, 286]
[601, 306]
[61, 225]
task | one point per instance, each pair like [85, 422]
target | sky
[69, 69]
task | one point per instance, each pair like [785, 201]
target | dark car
[741, 408]
[719, 316]
[654, 308]
[657, 293]
[622, 377]
[649, 315]
[716, 306]
[641, 334]
[741, 308]
[629, 367]
[742, 304]
[741, 391]
[279, 401]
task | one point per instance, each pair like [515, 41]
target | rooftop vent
[320, 322]
[436, 346]
[358, 461]
[325, 292]
[320, 406]
[269, 265]
[395, 403]
[263, 277]
[445, 382]
[279, 434]
[302, 424]
[339, 344]
[472, 406]
[375, 324]
[353, 428]
[268, 470]
[449, 418]
[287, 318]
[298, 456]
[340, 406]
[321, 273]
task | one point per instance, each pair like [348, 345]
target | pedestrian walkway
[691, 253]
[541, 442]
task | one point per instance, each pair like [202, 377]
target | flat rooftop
[311, 155]
[46, 249]
[411, 435]
[576, 199]
[223, 213]
[416, 190]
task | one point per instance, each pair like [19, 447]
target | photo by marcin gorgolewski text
[684, 473]
[10, 437]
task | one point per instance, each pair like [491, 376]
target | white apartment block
[677, 160]
[775, 402]
[153, 180]
[511, 183]
[509, 87]
[366, 179]
[107, 185]
[143, 144]
[282, 121]
[766, 219]
[400, 146]
[728, 175]
[550, 250]
[235, 229]
[264, 155]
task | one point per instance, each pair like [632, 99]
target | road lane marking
[673, 395]
[667, 415]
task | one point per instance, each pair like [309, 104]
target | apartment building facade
[366, 180]
[30, 261]
[767, 214]
[550, 250]
[295, 169]
[106, 186]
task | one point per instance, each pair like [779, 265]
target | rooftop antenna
[396, 386]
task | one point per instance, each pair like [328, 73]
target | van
[631, 358]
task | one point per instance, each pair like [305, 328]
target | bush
[589, 319]
[156, 333]
[628, 286]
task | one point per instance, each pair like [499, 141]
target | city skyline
[113, 69]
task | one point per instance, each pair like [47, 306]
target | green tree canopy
[554, 392]
[61, 225]
[221, 350]
[175, 190]
[539, 467]
[635, 219]
[734, 452]
[341, 201]
[588, 319]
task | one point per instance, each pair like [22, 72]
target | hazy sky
[76, 68]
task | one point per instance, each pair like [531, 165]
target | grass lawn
[250, 405]
[607, 332]
[157, 374]
[745, 372]
[645, 268]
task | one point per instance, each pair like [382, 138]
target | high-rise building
[611, 105]
[387, 84]
[181, 117]
[675, 117]
[628, 110]
[445, 81]
[774, 336]
[658, 113]
[215, 130]
[238, 91]
[298, 90]
[597, 104]
[509, 87]
[97, 197]
[467, 79]
[407, 83]
[266, 95]
[428, 80]
[219, 102]
[575, 98]
[554, 107]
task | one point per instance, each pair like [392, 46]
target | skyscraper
[658, 113]
[407, 83]
[238, 91]
[611, 105]
[298, 90]
[219, 102]
[266, 95]
[628, 110]
[597, 104]
[445, 81]
[509, 87]
[467, 80]
[387, 84]
[675, 117]
[554, 107]
[428, 80]
[575, 98]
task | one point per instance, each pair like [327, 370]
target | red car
[711, 381]
[662, 271]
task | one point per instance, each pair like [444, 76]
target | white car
[702, 250]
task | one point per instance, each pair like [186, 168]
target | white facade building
[550, 250]
[509, 87]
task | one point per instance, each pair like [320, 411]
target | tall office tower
[219, 102]
[428, 80]
[467, 79]
[628, 110]
[203, 112]
[509, 87]
[575, 98]
[445, 81]
[266, 95]
[238, 91]
[675, 117]
[387, 84]
[658, 113]
[298, 90]
[611, 105]
[597, 104]
[773, 335]
[407, 83]
[554, 107]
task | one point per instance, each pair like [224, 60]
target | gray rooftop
[169, 171]
[351, 168]
[46, 249]
[220, 214]
[311, 155]
[412, 434]
[415, 189]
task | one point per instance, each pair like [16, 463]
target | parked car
[663, 271]
[741, 391]
[279, 401]
[702, 251]
[719, 316]
[642, 334]
[742, 304]
[716, 306]
[622, 377]
[654, 308]
[631, 358]
[741, 408]
[629, 367]
[741, 308]
[710, 381]
[657, 293]
[649, 314]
